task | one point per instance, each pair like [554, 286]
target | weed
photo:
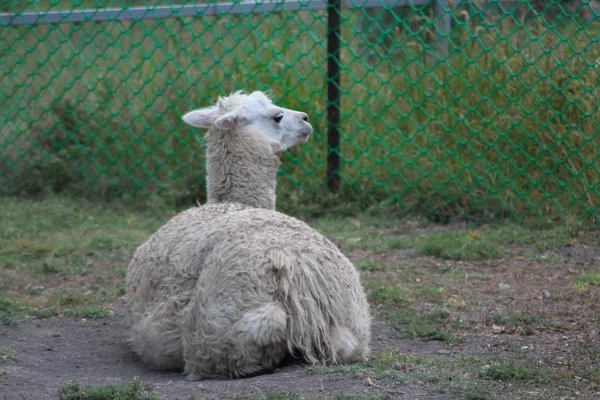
[6, 353]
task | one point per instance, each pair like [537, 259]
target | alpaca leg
[347, 346]
[255, 343]
[259, 339]
[156, 338]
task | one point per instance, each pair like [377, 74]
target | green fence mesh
[450, 108]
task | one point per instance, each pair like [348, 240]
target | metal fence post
[334, 11]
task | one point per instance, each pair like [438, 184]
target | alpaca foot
[263, 326]
[347, 346]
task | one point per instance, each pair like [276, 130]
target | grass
[525, 321]
[425, 135]
[513, 372]
[458, 245]
[6, 354]
[587, 279]
[66, 257]
[137, 390]
[390, 363]
[134, 390]
[399, 305]
[71, 260]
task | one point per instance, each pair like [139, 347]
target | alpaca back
[262, 258]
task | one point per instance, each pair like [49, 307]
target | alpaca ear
[201, 118]
[230, 120]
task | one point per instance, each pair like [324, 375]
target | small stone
[442, 351]
[545, 294]
[503, 286]
[444, 313]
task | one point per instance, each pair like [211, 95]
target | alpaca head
[282, 127]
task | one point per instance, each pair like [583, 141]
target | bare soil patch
[54, 352]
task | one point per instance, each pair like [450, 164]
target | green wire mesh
[448, 108]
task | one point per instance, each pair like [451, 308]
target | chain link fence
[464, 108]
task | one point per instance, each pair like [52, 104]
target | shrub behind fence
[482, 108]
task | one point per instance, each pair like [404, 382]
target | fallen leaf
[497, 329]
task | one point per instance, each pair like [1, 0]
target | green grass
[267, 396]
[523, 320]
[513, 372]
[420, 134]
[134, 390]
[137, 390]
[66, 257]
[398, 307]
[294, 396]
[6, 354]
[389, 363]
[458, 245]
[587, 279]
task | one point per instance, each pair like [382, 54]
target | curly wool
[255, 288]
[159, 281]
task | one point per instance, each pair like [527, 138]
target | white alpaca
[245, 132]
[237, 290]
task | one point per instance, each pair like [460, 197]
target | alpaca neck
[241, 168]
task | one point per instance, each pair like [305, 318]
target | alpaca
[269, 288]
[244, 134]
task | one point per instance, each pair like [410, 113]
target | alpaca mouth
[305, 133]
[304, 137]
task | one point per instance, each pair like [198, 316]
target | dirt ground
[94, 352]
[564, 341]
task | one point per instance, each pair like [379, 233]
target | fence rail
[463, 108]
[183, 11]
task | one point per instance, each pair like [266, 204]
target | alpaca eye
[278, 117]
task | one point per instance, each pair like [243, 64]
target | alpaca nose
[304, 117]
